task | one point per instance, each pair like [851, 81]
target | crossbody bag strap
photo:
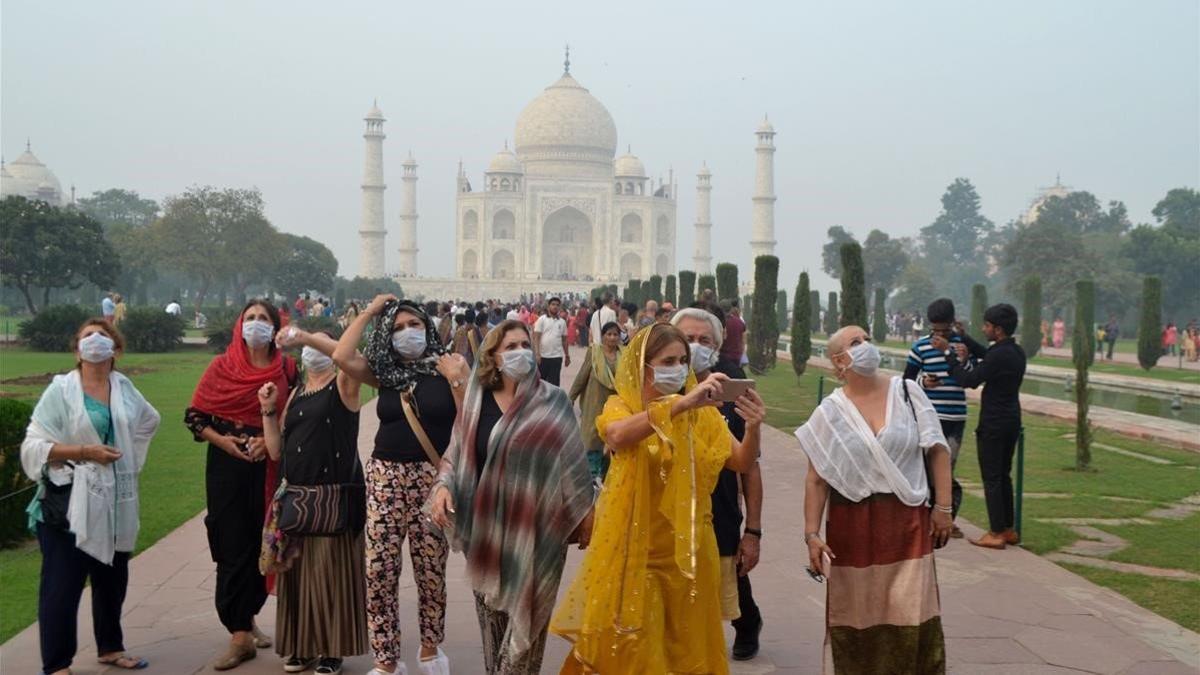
[415, 423]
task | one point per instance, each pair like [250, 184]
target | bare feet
[990, 540]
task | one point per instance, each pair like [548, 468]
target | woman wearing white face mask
[85, 446]
[420, 389]
[512, 490]
[868, 444]
[239, 476]
[321, 598]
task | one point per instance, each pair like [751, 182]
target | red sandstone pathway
[1004, 611]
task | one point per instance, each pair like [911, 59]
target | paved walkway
[1004, 611]
[1166, 361]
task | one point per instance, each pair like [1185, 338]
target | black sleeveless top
[320, 440]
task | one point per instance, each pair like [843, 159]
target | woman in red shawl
[226, 414]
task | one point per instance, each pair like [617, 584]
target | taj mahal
[559, 211]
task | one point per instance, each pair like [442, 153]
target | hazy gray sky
[878, 106]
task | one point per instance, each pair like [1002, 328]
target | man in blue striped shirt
[928, 366]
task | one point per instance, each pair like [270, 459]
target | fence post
[820, 388]
[1020, 480]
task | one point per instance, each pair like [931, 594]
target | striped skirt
[321, 609]
[882, 612]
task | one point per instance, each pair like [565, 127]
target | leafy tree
[854, 294]
[656, 288]
[306, 265]
[687, 287]
[708, 282]
[1031, 316]
[136, 247]
[1083, 351]
[116, 206]
[831, 314]
[781, 310]
[1171, 250]
[764, 326]
[916, 289]
[884, 260]
[979, 304]
[814, 303]
[1149, 337]
[363, 289]
[831, 252]
[879, 318]
[48, 247]
[958, 232]
[217, 237]
[802, 326]
[670, 292]
[727, 281]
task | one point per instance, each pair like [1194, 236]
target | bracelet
[944, 509]
[754, 531]
[809, 536]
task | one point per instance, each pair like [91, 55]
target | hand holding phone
[732, 389]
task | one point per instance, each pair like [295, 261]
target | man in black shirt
[703, 326]
[1002, 368]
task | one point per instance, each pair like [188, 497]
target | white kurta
[858, 463]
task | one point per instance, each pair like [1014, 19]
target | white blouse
[858, 463]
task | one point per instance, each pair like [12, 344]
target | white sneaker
[438, 665]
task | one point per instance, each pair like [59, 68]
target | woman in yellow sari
[647, 597]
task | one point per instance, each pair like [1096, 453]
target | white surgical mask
[703, 357]
[314, 361]
[864, 358]
[257, 333]
[96, 348]
[670, 379]
[409, 343]
[517, 363]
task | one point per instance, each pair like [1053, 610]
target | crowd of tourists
[480, 450]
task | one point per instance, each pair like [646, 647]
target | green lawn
[1170, 373]
[1104, 492]
[172, 485]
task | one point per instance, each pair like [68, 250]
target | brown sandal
[235, 656]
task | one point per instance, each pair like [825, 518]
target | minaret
[702, 262]
[762, 226]
[408, 218]
[372, 231]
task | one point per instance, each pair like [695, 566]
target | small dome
[374, 113]
[26, 175]
[629, 166]
[704, 170]
[565, 120]
[765, 127]
[505, 161]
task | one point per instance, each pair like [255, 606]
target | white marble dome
[629, 166]
[565, 122]
[505, 161]
[27, 177]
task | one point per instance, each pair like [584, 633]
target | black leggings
[65, 570]
[234, 522]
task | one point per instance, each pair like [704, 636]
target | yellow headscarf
[685, 453]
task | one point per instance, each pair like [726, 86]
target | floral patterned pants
[396, 491]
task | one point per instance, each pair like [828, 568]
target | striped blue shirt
[949, 399]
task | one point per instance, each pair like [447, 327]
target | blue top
[107, 307]
[101, 417]
[949, 399]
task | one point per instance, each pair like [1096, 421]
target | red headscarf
[229, 387]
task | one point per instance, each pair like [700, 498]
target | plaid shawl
[514, 522]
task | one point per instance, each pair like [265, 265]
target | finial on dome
[567, 61]
[506, 144]
[27, 144]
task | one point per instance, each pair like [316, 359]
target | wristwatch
[753, 531]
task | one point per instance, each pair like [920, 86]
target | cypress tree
[687, 287]
[647, 293]
[1031, 321]
[978, 305]
[831, 314]
[633, 292]
[781, 310]
[727, 281]
[1083, 351]
[706, 282]
[854, 294]
[879, 320]
[764, 326]
[1149, 335]
[801, 325]
[814, 302]
[612, 288]
[670, 292]
[656, 288]
[746, 302]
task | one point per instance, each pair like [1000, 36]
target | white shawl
[857, 463]
[103, 511]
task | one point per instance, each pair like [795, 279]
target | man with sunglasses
[929, 367]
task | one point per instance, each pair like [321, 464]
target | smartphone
[732, 389]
